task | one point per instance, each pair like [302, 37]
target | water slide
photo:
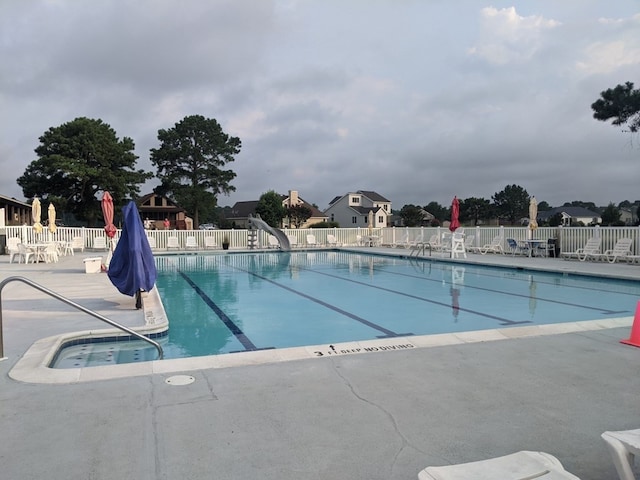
[279, 234]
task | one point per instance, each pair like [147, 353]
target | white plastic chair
[210, 242]
[273, 242]
[99, 243]
[293, 240]
[77, 243]
[51, 253]
[172, 242]
[311, 241]
[191, 243]
[623, 446]
[332, 242]
[152, 242]
[517, 466]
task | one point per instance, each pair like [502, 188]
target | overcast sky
[418, 100]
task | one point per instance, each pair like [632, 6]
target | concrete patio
[372, 416]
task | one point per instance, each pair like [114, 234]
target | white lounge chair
[590, 250]
[293, 241]
[623, 446]
[620, 251]
[332, 242]
[210, 242]
[403, 242]
[77, 243]
[469, 244]
[99, 243]
[273, 242]
[191, 243]
[173, 242]
[522, 465]
[311, 241]
[494, 247]
[152, 242]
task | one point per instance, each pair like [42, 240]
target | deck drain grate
[178, 380]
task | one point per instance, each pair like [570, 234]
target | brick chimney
[293, 198]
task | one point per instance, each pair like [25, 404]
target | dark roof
[335, 199]
[365, 210]
[8, 200]
[376, 197]
[572, 212]
[243, 209]
[170, 207]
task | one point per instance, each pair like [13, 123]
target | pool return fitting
[73, 304]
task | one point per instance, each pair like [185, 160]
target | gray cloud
[417, 100]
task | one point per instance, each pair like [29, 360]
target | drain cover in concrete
[180, 380]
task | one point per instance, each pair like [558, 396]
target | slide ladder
[276, 232]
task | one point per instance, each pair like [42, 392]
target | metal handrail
[74, 305]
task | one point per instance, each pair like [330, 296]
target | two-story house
[352, 209]
[241, 210]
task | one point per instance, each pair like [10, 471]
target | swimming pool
[244, 302]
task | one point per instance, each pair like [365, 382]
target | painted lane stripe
[504, 321]
[239, 334]
[387, 333]
[520, 295]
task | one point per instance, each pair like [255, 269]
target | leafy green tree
[270, 208]
[622, 104]
[298, 214]
[475, 209]
[76, 161]
[412, 215]
[544, 206]
[611, 215]
[512, 203]
[190, 163]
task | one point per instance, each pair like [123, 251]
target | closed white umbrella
[533, 215]
[52, 218]
[36, 212]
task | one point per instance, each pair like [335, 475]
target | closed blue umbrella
[132, 268]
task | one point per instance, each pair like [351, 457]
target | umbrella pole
[138, 300]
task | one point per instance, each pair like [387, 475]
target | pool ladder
[53, 294]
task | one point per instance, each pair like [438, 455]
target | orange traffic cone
[634, 339]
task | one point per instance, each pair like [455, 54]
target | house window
[354, 219]
[332, 219]
[355, 200]
[381, 220]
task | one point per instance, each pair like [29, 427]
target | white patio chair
[51, 253]
[152, 242]
[100, 243]
[311, 241]
[273, 242]
[332, 242]
[590, 251]
[173, 242]
[623, 446]
[77, 243]
[293, 241]
[191, 243]
[517, 466]
[494, 247]
[12, 248]
[210, 242]
[620, 251]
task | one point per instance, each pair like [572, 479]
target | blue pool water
[239, 302]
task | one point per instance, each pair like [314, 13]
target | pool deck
[379, 415]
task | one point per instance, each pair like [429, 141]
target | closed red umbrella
[107, 211]
[455, 214]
